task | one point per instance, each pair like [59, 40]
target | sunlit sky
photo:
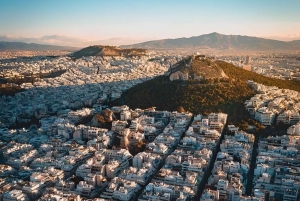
[74, 22]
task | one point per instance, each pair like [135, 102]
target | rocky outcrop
[102, 119]
[178, 75]
[196, 67]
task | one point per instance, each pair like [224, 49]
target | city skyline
[118, 22]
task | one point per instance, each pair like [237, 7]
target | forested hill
[227, 96]
[240, 74]
[100, 50]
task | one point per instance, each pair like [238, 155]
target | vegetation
[102, 120]
[134, 150]
[31, 78]
[85, 120]
[196, 98]
[9, 90]
[180, 109]
[99, 50]
[227, 96]
[236, 73]
[195, 66]
[53, 74]
[77, 179]
[20, 80]
[6, 89]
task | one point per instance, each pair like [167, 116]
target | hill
[8, 90]
[196, 68]
[219, 41]
[240, 74]
[32, 46]
[227, 96]
[99, 50]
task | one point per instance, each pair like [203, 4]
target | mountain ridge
[32, 46]
[219, 41]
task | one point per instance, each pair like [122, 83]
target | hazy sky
[78, 21]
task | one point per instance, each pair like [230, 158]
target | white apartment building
[143, 157]
[210, 195]
[15, 195]
[218, 117]
[84, 189]
[265, 116]
[114, 154]
[294, 129]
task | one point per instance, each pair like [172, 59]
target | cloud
[62, 40]
[294, 35]
[289, 37]
[48, 40]
[70, 41]
[119, 41]
[10, 38]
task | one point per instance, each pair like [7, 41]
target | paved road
[210, 166]
[252, 167]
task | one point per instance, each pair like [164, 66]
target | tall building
[248, 60]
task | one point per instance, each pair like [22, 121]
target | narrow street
[209, 168]
[252, 166]
[135, 198]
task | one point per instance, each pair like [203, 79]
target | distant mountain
[100, 50]
[296, 42]
[32, 46]
[219, 41]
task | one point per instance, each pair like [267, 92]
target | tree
[180, 109]
[141, 146]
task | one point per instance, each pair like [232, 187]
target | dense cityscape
[67, 151]
[149, 100]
